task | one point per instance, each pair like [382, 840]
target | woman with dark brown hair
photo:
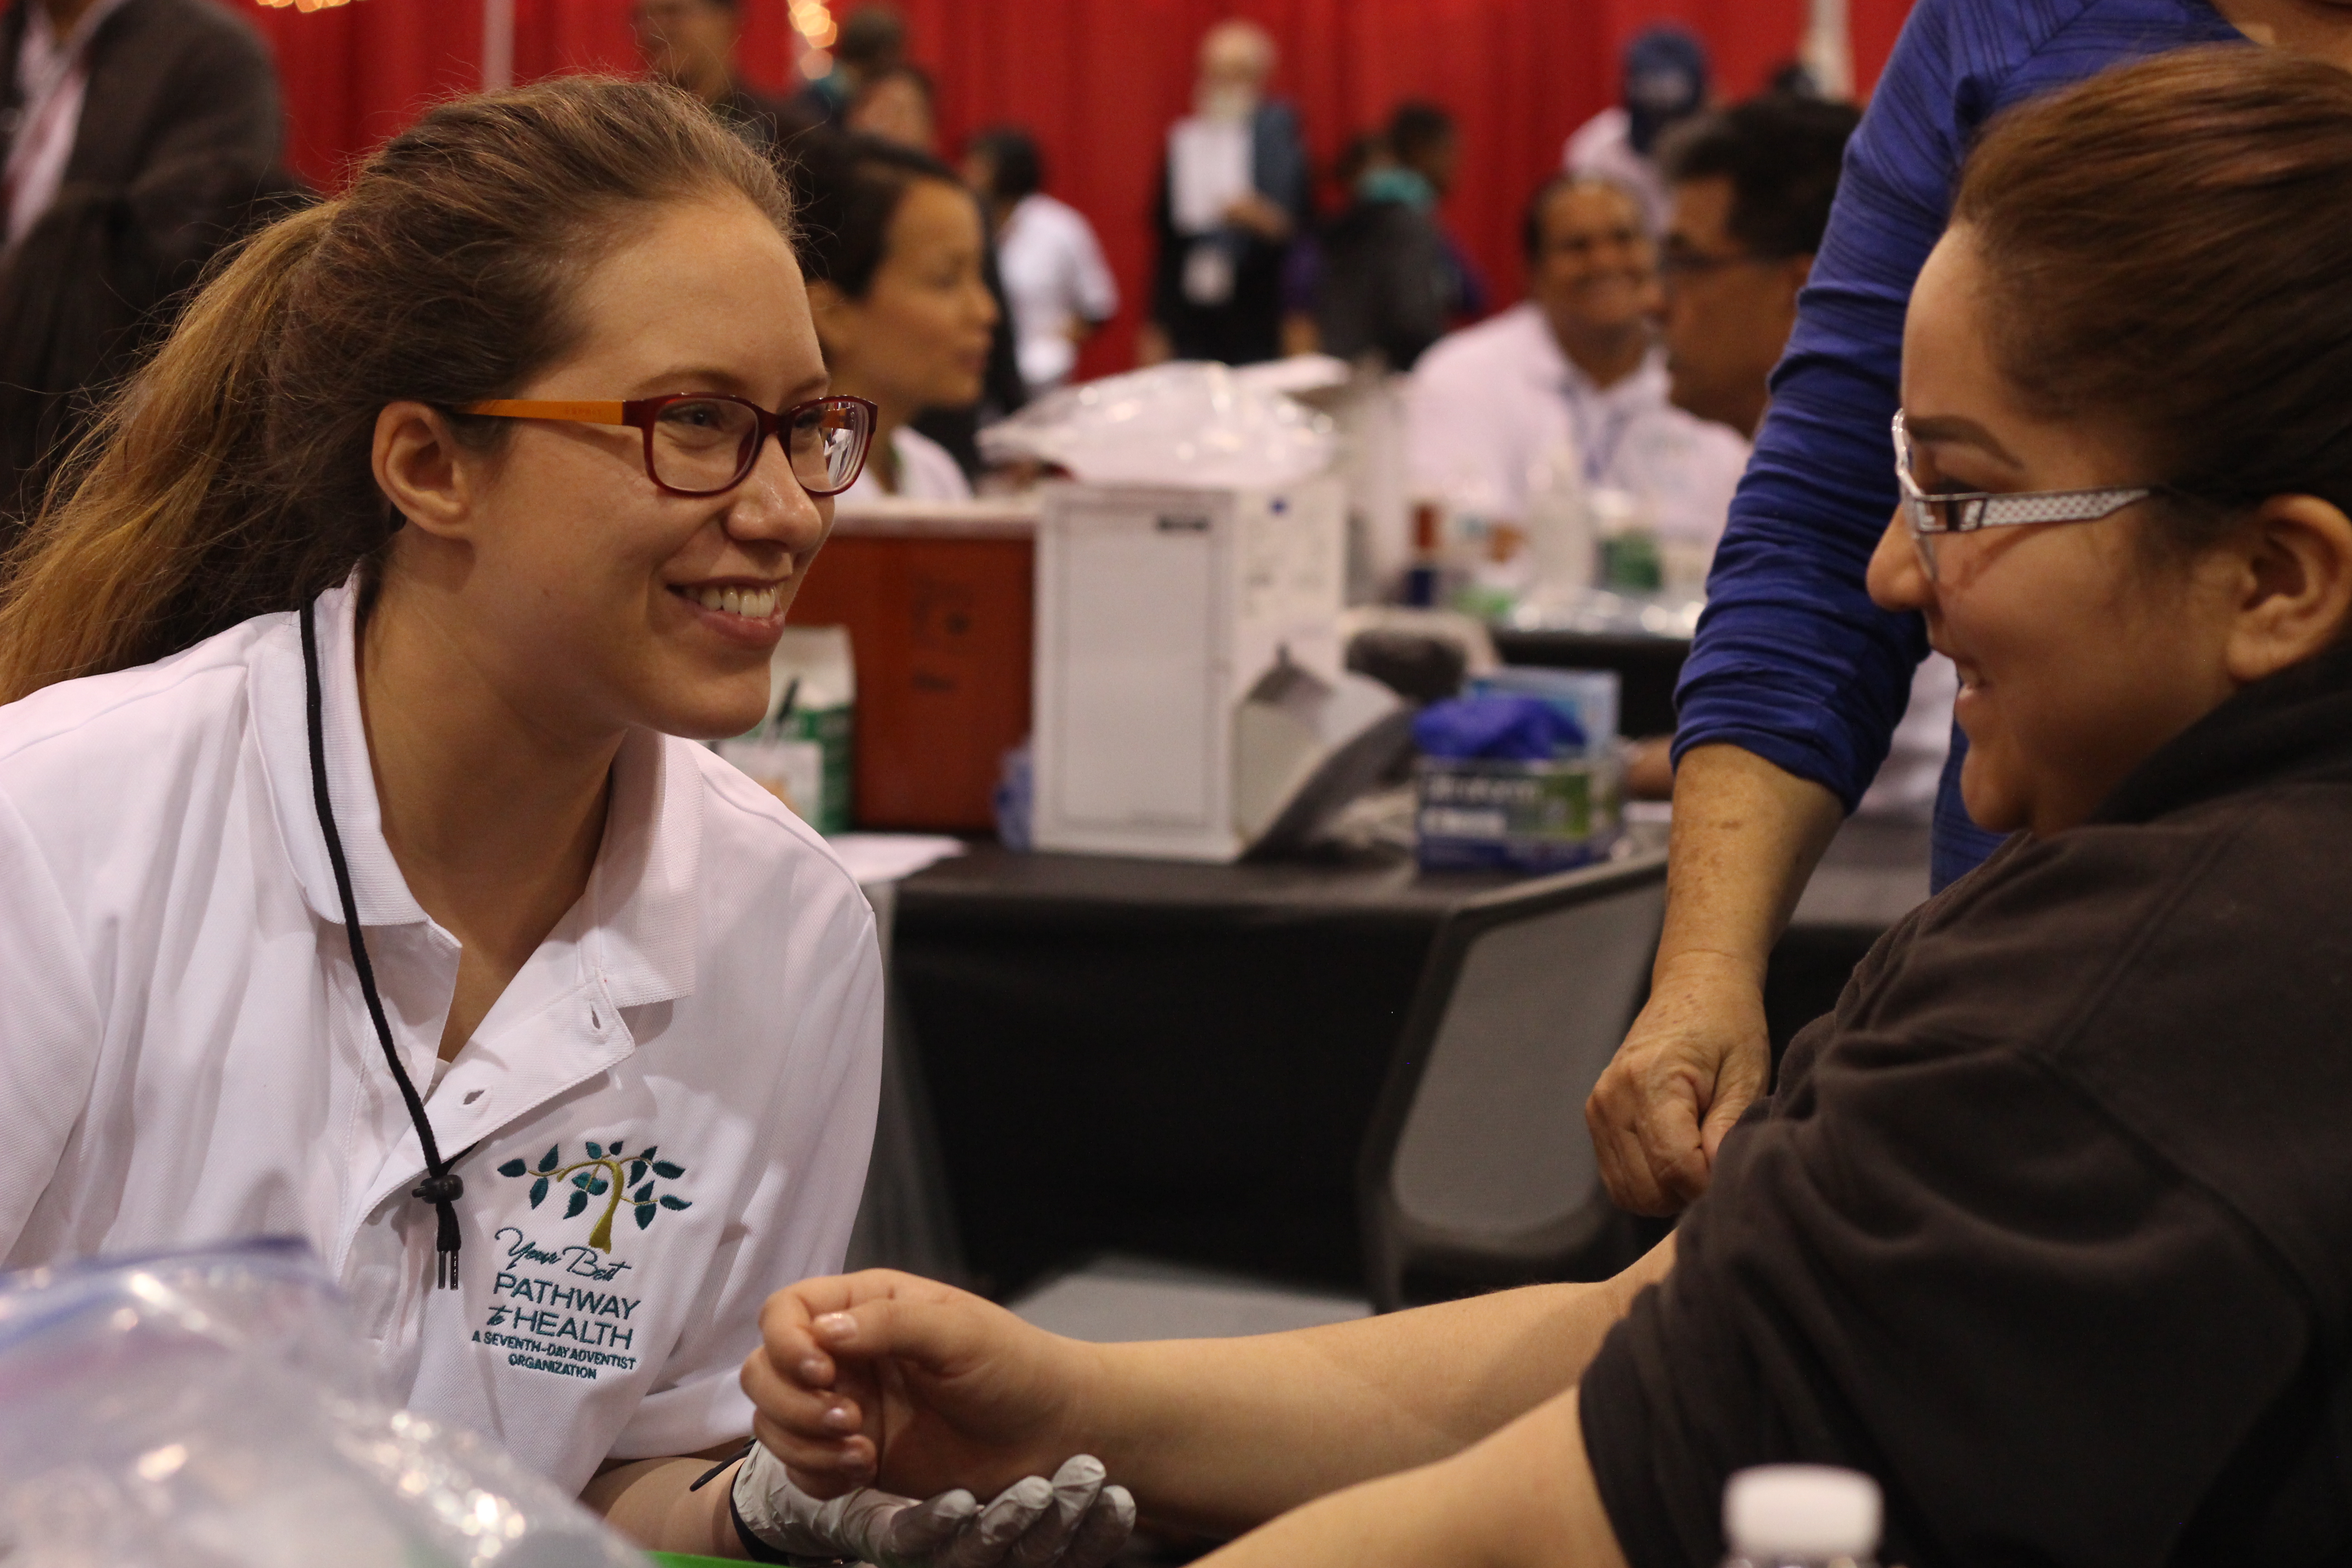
[2045, 1227]
[363, 880]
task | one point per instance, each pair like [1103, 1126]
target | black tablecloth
[1181, 1060]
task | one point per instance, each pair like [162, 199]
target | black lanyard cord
[442, 1187]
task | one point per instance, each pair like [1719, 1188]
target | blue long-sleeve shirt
[1792, 661]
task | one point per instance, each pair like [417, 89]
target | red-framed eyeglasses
[704, 444]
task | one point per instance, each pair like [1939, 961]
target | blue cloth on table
[1792, 661]
[1511, 729]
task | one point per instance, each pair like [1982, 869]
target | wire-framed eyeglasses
[703, 444]
[1933, 513]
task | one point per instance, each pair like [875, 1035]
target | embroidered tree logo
[606, 1173]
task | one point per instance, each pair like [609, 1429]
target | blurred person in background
[691, 43]
[1751, 190]
[139, 137]
[1234, 196]
[1751, 187]
[897, 105]
[1056, 281]
[894, 246]
[1302, 268]
[1390, 280]
[872, 40]
[1665, 81]
[1574, 368]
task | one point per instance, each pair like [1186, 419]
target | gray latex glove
[1074, 1521]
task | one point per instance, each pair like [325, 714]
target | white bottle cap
[1801, 1512]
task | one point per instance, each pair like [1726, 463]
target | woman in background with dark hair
[895, 250]
[2046, 1226]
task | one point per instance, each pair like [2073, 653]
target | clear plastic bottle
[1801, 1516]
[1560, 526]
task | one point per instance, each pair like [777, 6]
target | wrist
[1709, 970]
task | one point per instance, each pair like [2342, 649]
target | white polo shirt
[665, 1116]
[1055, 276]
[1486, 404]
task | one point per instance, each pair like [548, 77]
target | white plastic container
[1160, 612]
[1801, 1516]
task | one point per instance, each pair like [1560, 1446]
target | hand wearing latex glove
[891, 1380]
[1072, 1521]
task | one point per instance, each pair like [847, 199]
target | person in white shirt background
[1576, 368]
[1055, 279]
[894, 246]
[362, 881]
[1664, 83]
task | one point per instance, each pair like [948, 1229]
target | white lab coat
[1055, 278]
[1486, 403]
[186, 1056]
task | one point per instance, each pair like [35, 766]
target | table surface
[1872, 875]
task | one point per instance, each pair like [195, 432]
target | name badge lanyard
[442, 1187]
[1600, 455]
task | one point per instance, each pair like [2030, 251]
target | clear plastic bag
[1189, 423]
[215, 1408]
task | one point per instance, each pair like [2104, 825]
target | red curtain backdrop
[1098, 81]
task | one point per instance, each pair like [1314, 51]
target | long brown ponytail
[232, 475]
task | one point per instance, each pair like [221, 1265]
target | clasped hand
[883, 1379]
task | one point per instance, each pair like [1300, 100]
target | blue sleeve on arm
[1792, 661]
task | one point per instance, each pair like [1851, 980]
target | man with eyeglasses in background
[1749, 191]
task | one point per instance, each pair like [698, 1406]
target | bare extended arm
[1523, 1497]
[648, 1502]
[1746, 836]
[885, 1375]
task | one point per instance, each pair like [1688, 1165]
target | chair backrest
[1479, 1171]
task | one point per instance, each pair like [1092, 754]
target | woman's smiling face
[2081, 649]
[610, 600]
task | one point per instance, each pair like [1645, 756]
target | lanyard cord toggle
[442, 1187]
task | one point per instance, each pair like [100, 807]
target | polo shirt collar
[642, 910]
[1647, 384]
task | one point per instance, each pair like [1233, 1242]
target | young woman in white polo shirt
[357, 882]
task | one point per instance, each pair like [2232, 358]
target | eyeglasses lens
[827, 441]
[704, 444]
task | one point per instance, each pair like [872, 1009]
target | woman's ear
[421, 469]
[2296, 596]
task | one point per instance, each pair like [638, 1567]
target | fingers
[820, 1470]
[817, 1432]
[1104, 1531]
[786, 1317]
[1616, 1113]
[1742, 1083]
[1668, 1135]
[984, 1543]
[1074, 1487]
[915, 1535]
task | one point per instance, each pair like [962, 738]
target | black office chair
[1478, 1171]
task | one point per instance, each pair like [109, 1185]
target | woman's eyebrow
[1943, 429]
